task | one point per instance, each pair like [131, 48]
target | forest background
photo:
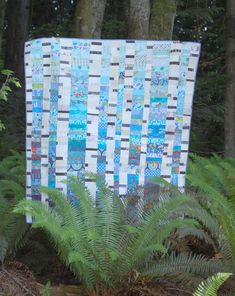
[211, 22]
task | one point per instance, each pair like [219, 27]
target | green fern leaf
[211, 286]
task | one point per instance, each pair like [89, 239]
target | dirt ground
[17, 280]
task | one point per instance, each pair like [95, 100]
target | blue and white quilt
[118, 108]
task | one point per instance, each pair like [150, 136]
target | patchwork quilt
[117, 108]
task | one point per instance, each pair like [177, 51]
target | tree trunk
[139, 13]
[2, 17]
[89, 16]
[162, 19]
[230, 80]
[17, 33]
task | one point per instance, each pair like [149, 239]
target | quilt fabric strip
[118, 108]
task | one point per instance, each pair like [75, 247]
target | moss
[162, 19]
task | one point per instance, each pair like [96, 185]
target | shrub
[102, 243]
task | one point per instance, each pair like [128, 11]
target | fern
[183, 263]
[211, 286]
[214, 180]
[12, 189]
[102, 244]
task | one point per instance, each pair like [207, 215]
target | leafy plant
[102, 243]
[46, 290]
[211, 286]
[214, 181]
[5, 89]
[17, 240]
[12, 190]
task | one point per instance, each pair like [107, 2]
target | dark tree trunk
[89, 16]
[139, 19]
[17, 33]
[162, 19]
[230, 80]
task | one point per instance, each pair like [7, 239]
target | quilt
[117, 108]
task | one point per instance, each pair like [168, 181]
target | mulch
[17, 280]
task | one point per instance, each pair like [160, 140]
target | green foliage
[204, 22]
[46, 290]
[115, 20]
[12, 226]
[9, 139]
[52, 29]
[213, 179]
[96, 237]
[6, 89]
[202, 10]
[183, 264]
[32, 247]
[51, 18]
[211, 286]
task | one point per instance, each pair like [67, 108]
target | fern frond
[196, 232]
[184, 263]
[211, 286]
[215, 178]
[101, 244]
[12, 189]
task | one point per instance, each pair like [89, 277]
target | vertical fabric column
[36, 58]
[93, 113]
[173, 77]
[126, 119]
[64, 83]
[119, 116]
[146, 108]
[157, 112]
[103, 79]
[111, 113]
[46, 51]
[137, 114]
[191, 56]
[78, 120]
[53, 120]
[29, 119]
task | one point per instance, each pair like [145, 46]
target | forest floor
[16, 279]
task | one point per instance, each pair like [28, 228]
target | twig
[18, 282]
[166, 282]
[180, 290]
